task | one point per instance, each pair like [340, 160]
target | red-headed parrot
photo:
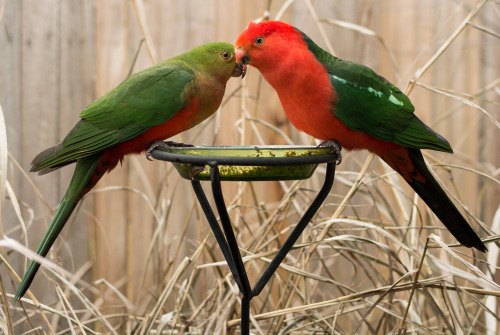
[336, 100]
[149, 106]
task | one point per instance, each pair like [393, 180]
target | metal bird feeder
[249, 163]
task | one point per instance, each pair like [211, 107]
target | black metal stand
[226, 238]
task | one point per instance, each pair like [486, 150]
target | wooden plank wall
[47, 76]
[58, 56]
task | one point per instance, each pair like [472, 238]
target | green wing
[142, 101]
[369, 103]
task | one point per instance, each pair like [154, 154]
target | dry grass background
[138, 256]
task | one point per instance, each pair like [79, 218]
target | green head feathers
[215, 59]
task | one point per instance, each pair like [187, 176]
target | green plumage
[385, 111]
[142, 101]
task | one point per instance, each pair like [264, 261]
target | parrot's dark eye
[259, 40]
[225, 54]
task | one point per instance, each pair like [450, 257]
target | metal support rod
[214, 225]
[245, 316]
[234, 250]
[295, 234]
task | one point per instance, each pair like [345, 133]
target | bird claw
[163, 145]
[333, 144]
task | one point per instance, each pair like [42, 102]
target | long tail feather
[435, 197]
[84, 170]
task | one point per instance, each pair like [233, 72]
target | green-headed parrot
[149, 106]
[336, 100]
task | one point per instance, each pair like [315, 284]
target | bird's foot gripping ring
[333, 144]
[164, 145]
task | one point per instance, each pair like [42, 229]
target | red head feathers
[280, 52]
[275, 37]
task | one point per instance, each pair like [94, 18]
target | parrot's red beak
[242, 56]
[242, 59]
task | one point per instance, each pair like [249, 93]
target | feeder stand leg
[294, 235]
[234, 250]
[228, 230]
[214, 225]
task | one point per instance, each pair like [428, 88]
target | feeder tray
[255, 163]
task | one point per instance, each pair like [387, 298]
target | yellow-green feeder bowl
[247, 163]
